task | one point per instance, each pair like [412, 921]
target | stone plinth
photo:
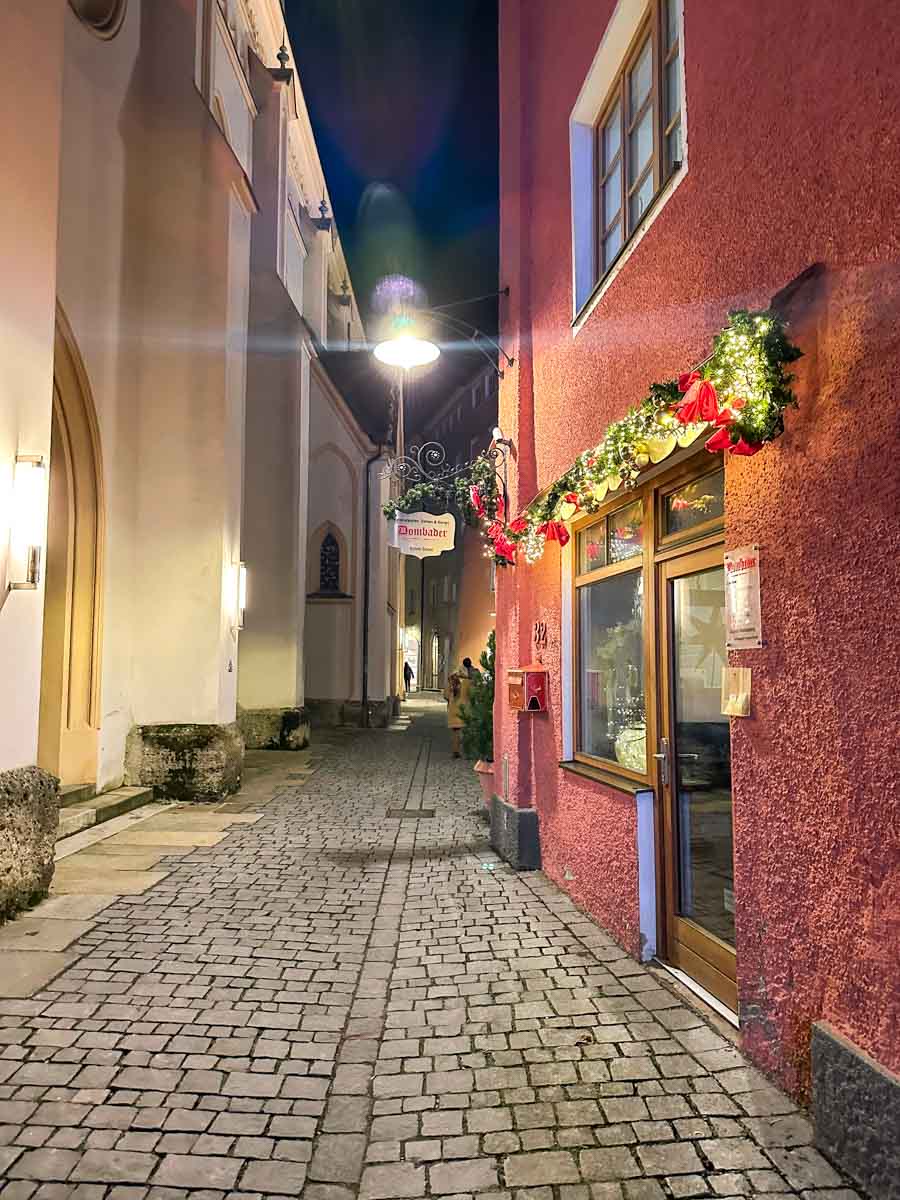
[186, 762]
[274, 728]
[29, 817]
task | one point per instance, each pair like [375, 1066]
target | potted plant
[478, 721]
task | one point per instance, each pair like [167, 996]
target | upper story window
[627, 138]
[639, 132]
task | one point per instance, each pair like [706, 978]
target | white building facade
[172, 278]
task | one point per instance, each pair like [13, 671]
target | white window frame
[587, 291]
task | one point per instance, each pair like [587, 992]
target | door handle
[663, 759]
[691, 756]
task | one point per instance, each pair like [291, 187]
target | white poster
[743, 616]
[423, 535]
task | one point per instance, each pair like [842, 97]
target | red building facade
[764, 177]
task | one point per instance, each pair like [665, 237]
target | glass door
[695, 772]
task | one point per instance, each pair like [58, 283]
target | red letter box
[527, 688]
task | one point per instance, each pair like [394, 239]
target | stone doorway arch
[70, 664]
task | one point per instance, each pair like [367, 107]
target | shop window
[627, 137]
[615, 637]
[690, 506]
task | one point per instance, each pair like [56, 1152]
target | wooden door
[695, 760]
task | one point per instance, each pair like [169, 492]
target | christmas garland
[738, 395]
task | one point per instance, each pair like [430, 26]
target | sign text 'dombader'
[423, 535]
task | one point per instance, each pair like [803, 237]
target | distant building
[449, 606]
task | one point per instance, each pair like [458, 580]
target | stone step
[74, 793]
[85, 813]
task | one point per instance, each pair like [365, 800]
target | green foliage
[478, 714]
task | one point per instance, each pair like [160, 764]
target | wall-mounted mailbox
[527, 688]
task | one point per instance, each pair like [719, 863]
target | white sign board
[423, 535]
[743, 616]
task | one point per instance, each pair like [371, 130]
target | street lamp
[406, 351]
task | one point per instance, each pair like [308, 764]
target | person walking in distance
[408, 675]
[456, 693]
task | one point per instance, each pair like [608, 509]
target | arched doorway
[70, 666]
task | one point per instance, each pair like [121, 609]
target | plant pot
[485, 772]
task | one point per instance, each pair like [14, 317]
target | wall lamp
[498, 439]
[241, 593]
[28, 528]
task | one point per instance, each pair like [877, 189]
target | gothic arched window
[329, 564]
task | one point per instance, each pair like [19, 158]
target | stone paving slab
[34, 932]
[327, 1002]
[24, 972]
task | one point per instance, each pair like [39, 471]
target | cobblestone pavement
[335, 1002]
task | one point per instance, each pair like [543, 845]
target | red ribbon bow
[519, 525]
[477, 502]
[554, 531]
[687, 379]
[505, 549]
[699, 404]
[495, 530]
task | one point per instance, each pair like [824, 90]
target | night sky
[403, 100]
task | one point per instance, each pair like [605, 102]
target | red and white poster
[743, 614]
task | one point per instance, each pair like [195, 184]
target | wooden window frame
[656, 547]
[654, 28]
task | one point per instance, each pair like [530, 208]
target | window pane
[673, 88]
[671, 22]
[640, 201]
[612, 136]
[612, 195]
[640, 146]
[625, 532]
[612, 244]
[696, 502]
[611, 670]
[673, 149]
[641, 78]
[592, 548]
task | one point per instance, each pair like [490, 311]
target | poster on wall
[421, 534]
[743, 614]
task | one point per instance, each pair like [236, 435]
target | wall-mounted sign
[743, 615]
[423, 535]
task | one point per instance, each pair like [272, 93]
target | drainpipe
[366, 587]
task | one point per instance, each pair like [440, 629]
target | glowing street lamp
[406, 351]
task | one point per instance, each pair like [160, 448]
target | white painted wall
[31, 99]
[153, 276]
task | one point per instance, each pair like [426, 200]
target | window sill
[328, 596]
[605, 283]
[609, 779]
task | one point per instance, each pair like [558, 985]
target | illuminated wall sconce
[28, 528]
[241, 593]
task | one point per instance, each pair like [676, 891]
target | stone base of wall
[856, 1109]
[325, 714]
[185, 762]
[274, 728]
[29, 818]
[515, 835]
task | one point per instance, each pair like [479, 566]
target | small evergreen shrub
[478, 714]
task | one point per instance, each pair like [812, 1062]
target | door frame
[685, 944]
[69, 725]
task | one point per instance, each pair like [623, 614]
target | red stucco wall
[793, 129]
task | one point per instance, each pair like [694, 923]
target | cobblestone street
[339, 1000]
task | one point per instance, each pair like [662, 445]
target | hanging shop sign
[422, 534]
[743, 615]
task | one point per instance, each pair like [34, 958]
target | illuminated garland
[738, 395]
